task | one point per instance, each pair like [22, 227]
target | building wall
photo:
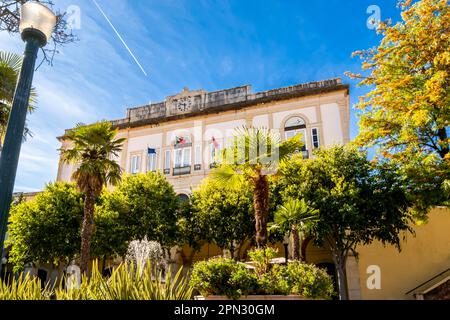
[422, 257]
[328, 112]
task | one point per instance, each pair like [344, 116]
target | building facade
[182, 135]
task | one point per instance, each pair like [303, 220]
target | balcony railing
[213, 165]
[179, 171]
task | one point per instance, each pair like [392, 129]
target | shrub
[222, 276]
[274, 281]
[309, 281]
[261, 259]
[125, 283]
[23, 288]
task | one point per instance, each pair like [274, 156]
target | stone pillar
[353, 284]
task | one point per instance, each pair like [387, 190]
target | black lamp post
[36, 26]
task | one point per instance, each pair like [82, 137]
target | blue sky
[193, 43]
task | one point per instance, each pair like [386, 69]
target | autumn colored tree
[407, 111]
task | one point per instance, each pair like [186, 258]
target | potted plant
[222, 278]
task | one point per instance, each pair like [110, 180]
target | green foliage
[10, 65]
[223, 215]
[125, 283]
[23, 287]
[255, 154]
[221, 276]
[143, 205]
[309, 281]
[46, 229]
[91, 147]
[274, 281]
[261, 259]
[406, 113]
[357, 202]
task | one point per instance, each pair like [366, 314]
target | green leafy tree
[357, 203]
[10, 65]
[91, 148]
[143, 205]
[295, 217]
[407, 111]
[46, 229]
[255, 155]
[110, 236]
[224, 214]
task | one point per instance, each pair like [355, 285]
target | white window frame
[318, 137]
[182, 157]
[295, 132]
[198, 155]
[167, 160]
[135, 162]
[152, 160]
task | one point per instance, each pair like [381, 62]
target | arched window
[182, 197]
[294, 123]
[295, 126]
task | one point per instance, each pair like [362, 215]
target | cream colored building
[203, 122]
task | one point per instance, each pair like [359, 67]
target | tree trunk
[296, 244]
[340, 262]
[261, 207]
[86, 231]
[442, 133]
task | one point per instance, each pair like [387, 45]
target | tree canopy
[47, 228]
[357, 202]
[223, 214]
[407, 111]
[142, 205]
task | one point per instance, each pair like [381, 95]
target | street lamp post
[36, 26]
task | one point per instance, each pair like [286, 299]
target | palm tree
[255, 154]
[91, 148]
[10, 65]
[295, 216]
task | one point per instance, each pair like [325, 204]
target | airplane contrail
[120, 37]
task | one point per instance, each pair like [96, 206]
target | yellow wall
[422, 257]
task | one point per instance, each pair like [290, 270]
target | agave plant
[129, 282]
[24, 287]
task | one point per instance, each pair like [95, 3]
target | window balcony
[179, 171]
[213, 165]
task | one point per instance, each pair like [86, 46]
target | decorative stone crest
[184, 102]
